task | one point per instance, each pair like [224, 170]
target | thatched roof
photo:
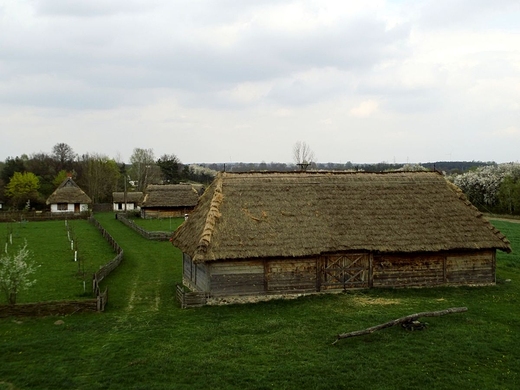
[170, 195]
[69, 192]
[254, 215]
[131, 197]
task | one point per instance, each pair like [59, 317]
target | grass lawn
[145, 341]
[159, 224]
[58, 275]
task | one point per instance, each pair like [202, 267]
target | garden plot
[66, 254]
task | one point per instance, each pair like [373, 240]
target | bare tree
[144, 169]
[64, 155]
[302, 154]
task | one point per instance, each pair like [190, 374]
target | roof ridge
[211, 220]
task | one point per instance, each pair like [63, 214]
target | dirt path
[146, 278]
[502, 219]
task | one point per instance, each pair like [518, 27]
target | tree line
[27, 181]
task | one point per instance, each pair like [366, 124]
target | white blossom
[15, 271]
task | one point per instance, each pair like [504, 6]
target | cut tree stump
[402, 320]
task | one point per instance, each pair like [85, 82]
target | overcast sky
[243, 81]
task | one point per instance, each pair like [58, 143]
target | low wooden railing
[190, 298]
[149, 235]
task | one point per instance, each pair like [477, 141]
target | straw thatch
[69, 192]
[266, 215]
[170, 196]
[131, 197]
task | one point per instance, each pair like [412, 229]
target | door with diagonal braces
[343, 271]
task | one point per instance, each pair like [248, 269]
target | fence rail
[104, 271]
[51, 308]
[32, 216]
[98, 303]
[190, 298]
[149, 235]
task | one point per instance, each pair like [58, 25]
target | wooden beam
[410, 318]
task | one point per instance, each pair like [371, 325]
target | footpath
[146, 278]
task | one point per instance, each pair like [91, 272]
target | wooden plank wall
[471, 268]
[243, 277]
[147, 212]
[419, 270]
[272, 276]
[401, 270]
[195, 276]
[291, 275]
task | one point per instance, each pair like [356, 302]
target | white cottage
[133, 201]
[69, 198]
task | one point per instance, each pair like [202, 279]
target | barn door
[343, 271]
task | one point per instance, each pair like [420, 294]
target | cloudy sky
[243, 81]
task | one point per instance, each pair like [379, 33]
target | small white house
[133, 201]
[69, 198]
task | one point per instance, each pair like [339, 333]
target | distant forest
[449, 167]
[27, 181]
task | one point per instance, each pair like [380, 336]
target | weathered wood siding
[419, 270]
[364, 270]
[471, 268]
[195, 276]
[243, 277]
[148, 212]
[287, 276]
[400, 270]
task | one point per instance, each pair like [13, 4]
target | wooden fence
[33, 216]
[149, 235]
[104, 271]
[190, 298]
[98, 303]
[52, 308]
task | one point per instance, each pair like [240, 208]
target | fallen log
[410, 318]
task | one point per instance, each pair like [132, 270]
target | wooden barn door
[343, 271]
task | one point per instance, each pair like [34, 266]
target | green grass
[58, 276]
[159, 224]
[145, 341]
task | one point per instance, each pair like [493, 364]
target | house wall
[120, 206]
[306, 275]
[195, 276]
[147, 212]
[70, 208]
[418, 270]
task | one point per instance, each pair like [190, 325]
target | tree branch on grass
[402, 320]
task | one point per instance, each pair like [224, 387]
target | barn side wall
[273, 276]
[305, 275]
[420, 270]
[195, 275]
[150, 212]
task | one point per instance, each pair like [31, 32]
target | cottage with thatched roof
[129, 201]
[169, 200]
[69, 198]
[302, 232]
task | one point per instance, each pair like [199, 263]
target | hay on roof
[68, 192]
[255, 215]
[170, 195]
[131, 197]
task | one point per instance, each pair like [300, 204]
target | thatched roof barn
[133, 200]
[69, 198]
[169, 200]
[262, 233]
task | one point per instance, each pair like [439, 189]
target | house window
[63, 206]
[120, 206]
